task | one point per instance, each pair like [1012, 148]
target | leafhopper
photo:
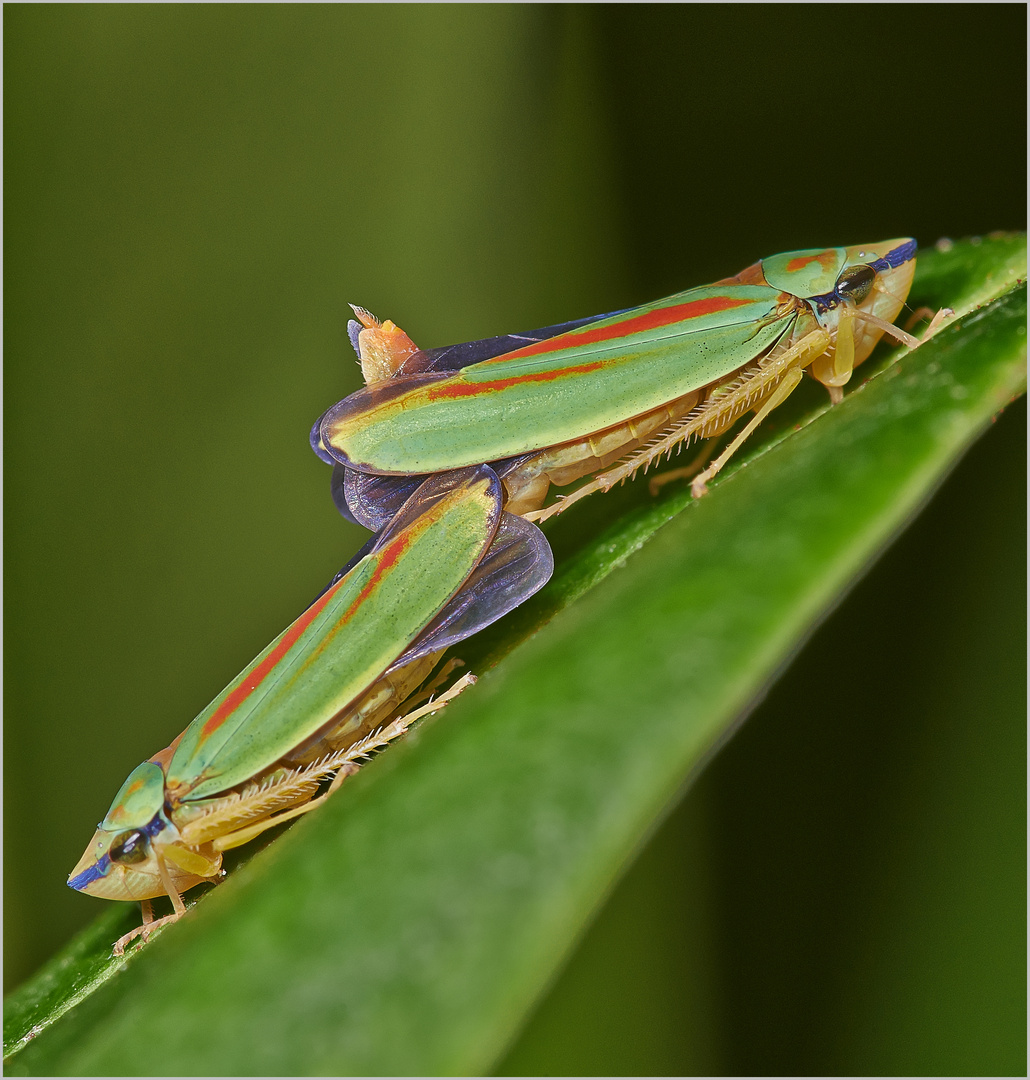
[609, 395]
[337, 685]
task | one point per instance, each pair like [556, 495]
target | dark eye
[855, 283]
[129, 847]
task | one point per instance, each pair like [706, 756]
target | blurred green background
[192, 195]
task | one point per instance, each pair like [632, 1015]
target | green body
[556, 390]
[339, 647]
[299, 686]
[594, 377]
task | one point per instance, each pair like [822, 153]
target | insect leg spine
[724, 404]
[293, 787]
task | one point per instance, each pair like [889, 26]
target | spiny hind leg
[712, 416]
[688, 471]
[699, 485]
[345, 764]
[794, 359]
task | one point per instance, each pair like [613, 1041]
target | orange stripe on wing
[239, 694]
[458, 389]
[387, 558]
[649, 320]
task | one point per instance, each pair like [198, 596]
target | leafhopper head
[123, 860]
[864, 285]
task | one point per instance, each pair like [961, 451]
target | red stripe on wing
[649, 320]
[388, 557]
[456, 389]
[239, 694]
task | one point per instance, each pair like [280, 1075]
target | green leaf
[409, 926]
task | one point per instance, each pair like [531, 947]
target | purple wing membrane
[337, 484]
[371, 501]
[354, 328]
[368, 500]
[517, 564]
[316, 444]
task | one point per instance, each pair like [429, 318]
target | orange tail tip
[365, 317]
[382, 347]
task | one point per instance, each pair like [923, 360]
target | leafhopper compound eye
[130, 847]
[855, 283]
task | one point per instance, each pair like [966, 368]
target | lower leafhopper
[341, 682]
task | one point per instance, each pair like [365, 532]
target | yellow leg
[844, 353]
[348, 766]
[902, 336]
[935, 323]
[723, 406]
[150, 924]
[917, 317]
[245, 835]
[687, 472]
[936, 318]
[699, 485]
[834, 369]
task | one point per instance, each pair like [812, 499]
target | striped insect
[558, 404]
[339, 684]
